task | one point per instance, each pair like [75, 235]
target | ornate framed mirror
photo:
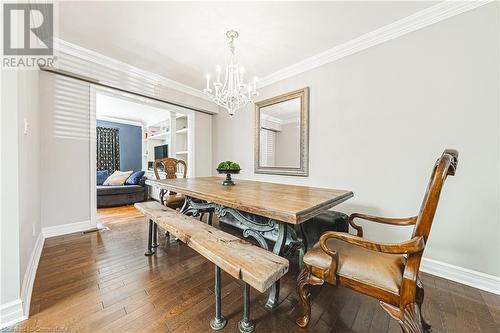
[282, 134]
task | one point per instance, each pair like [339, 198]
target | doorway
[130, 133]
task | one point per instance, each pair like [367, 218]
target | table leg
[274, 294]
[195, 209]
[185, 206]
[155, 235]
[150, 251]
[254, 228]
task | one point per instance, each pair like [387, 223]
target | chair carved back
[170, 167]
[445, 166]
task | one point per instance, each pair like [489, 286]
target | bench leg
[218, 322]
[210, 218]
[155, 235]
[245, 325]
[150, 250]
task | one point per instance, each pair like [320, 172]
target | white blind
[267, 147]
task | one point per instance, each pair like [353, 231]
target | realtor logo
[28, 29]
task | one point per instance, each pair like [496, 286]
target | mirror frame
[303, 169]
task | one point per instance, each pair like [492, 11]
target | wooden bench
[253, 265]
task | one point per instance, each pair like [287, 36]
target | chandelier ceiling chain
[232, 93]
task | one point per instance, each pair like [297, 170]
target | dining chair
[388, 272]
[175, 200]
[170, 167]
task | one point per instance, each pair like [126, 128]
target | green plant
[228, 165]
[234, 166]
[223, 166]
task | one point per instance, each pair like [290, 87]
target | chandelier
[232, 93]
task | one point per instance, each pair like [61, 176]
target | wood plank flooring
[102, 282]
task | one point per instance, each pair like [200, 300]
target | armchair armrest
[405, 221]
[413, 245]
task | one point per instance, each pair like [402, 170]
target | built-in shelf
[182, 131]
[176, 131]
[159, 136]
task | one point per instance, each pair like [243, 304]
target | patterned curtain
[108, 149]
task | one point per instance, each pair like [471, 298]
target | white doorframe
[93, 155]
[93, 91]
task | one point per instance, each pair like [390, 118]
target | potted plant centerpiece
[228, 168]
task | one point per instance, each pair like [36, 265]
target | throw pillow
[117, 178]
[102, 175]
[134, 178]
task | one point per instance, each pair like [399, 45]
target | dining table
[270, 213]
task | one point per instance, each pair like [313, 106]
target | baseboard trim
[30, 274]
[11, 313]
[69, 228]
[462, 275]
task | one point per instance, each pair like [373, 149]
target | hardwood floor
[102, 282]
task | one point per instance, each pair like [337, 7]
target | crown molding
[100, 59]
[414, 22]
[271, 118]
[419, 20]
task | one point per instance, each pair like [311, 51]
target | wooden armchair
[387, 272]
[173, 200]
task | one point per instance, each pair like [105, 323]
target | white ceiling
[184, 40]
[109, 108]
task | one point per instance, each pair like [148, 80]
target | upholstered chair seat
[388, 272]
[380, 270]
[174, 200]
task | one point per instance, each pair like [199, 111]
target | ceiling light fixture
[232, 93]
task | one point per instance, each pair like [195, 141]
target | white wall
[65, 150]
[380, 118]
[9, 264]
[20, 191]
[203, 144]
[29, 166]
[288, 145]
